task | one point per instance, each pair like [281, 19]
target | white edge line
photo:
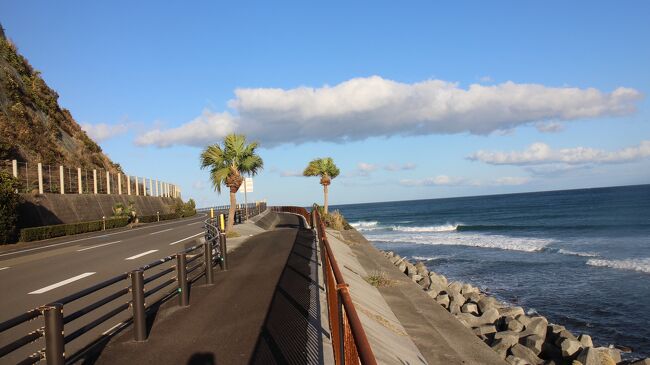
[4, 268]
[140, 255]
[61, 283]
[189, 224]
[186, 238]
[86, 238]
[103, 244]
[164, 230]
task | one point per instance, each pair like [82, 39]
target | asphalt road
[35, 274]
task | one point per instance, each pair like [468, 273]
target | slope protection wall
[48, 209]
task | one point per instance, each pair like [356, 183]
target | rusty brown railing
[348, 336]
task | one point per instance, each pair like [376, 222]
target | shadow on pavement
[292, 332]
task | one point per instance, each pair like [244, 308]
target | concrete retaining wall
[48, 209]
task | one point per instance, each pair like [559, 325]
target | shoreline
[517, 337]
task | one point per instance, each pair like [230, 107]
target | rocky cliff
[33, 126]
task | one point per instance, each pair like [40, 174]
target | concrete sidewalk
[264, 309]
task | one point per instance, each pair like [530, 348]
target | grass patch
[232, 234]
[379, 280]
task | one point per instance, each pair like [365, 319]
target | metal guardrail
[349, 340]
[242, 211]
[186, 263]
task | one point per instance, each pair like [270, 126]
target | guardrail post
[224, 251]
[207, 250]
[137, 306]
[40, 178]
[95, 181]
[181, 275]
[54, 342]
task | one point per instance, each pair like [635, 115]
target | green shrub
[185, 209]
[58, 230]
[9, 202]
[154, 218]
[334, 220]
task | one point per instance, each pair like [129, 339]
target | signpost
[246, 187]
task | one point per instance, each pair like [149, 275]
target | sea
[581, 258]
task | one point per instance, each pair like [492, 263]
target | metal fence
[37, 178]
[61, 339]
[349, 340]
[76, 333]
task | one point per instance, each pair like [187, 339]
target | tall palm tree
[327, 170]
[227, 164]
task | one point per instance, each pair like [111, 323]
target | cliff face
[33, 127]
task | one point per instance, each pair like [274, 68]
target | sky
[412, 100]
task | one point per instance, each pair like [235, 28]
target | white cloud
[486, 78]
[444, 180]
[102, 131]
[199, 185]
[208, 128]
[400, 167]
[366, 167]
[549, 127]
[541, 153]
[290, 173]
[374, 107]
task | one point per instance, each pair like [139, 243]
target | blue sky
[420, 101]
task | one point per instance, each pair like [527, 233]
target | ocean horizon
[580, 257]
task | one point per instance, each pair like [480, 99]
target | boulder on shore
[526, 354]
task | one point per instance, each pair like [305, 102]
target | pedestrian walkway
[265, 309]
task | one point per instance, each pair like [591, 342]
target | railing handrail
[213, 237]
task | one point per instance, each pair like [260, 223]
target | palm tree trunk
[325, 199]
[231, 211]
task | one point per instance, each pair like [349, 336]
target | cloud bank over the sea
[541, 153]
[444, 180]
[376, 107]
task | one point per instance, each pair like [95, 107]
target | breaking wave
[640, 265]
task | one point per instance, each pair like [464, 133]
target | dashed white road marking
[90, 238]
[4, 268]
[103, 244]
[190, 224]
[186, 238]
[61, 283]
[140, 255]
[164, 230]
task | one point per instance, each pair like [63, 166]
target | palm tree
[227, 163]
[327, 170]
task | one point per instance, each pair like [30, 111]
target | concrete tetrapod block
[592, 356]
[569, 347]
[536, 326]
[526, 354]
[487, 318]
[486, 303]
[512, 324]
[511, 311]
[513, 360]
[503, 344]
[533, 342]
[585, 340]
[484, 330]
[470, 308]
[443, 300]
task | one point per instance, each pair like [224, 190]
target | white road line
[61, 283]
[164, 230]
[186, 238]
[140, 255]
[87, 238]
[4, 268]
[103, 244]
[189, 224]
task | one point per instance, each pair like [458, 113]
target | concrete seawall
[48, 209]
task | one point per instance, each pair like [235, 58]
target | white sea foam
[441, 228]
[425, 258]
[575, 253]
[641, 265]
[527, 244]
[365, 225]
